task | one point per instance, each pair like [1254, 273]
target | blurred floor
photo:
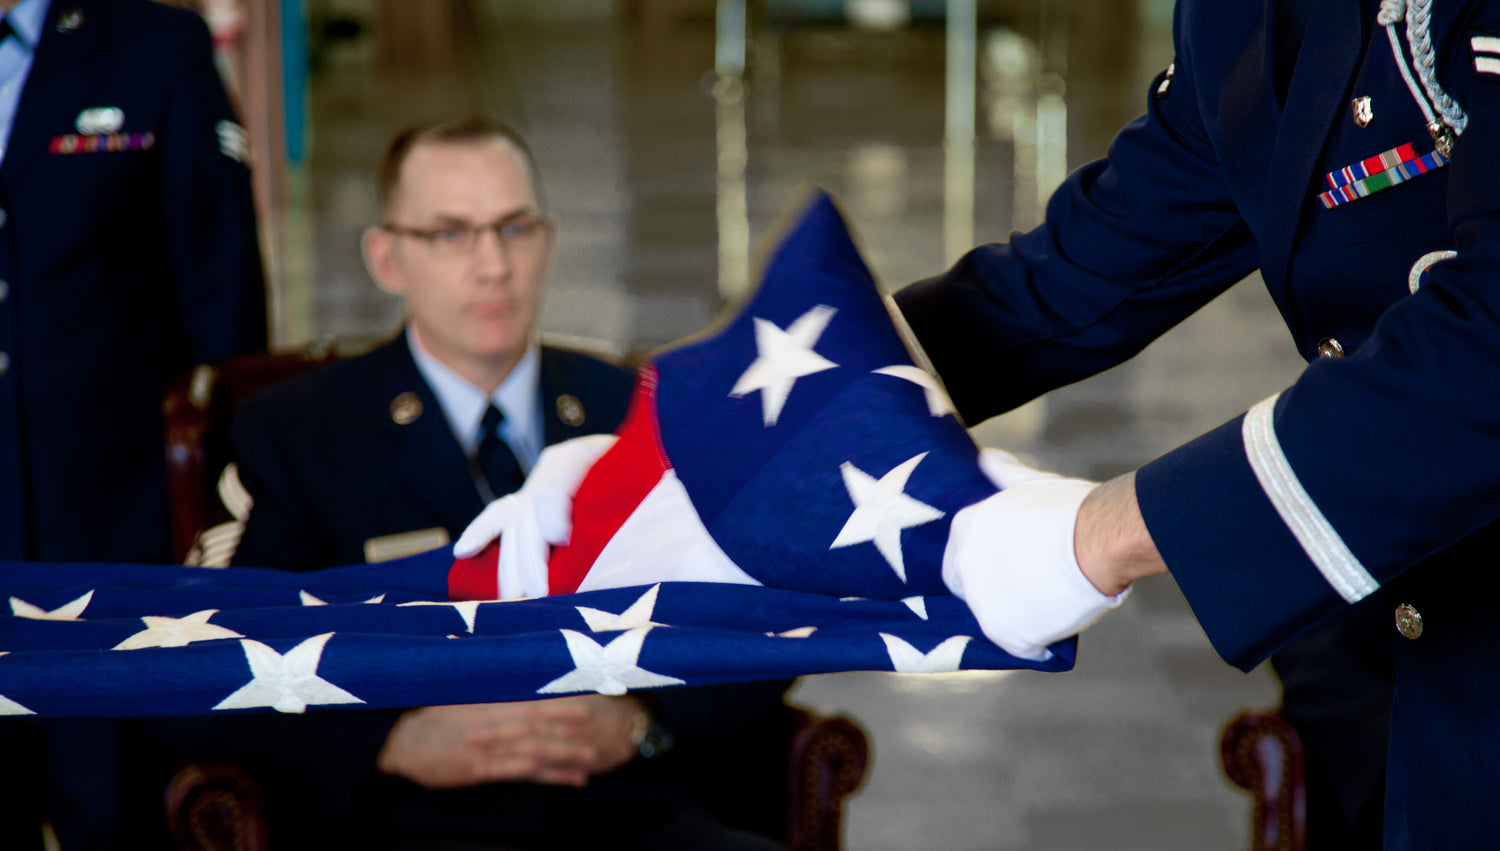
[662, 175]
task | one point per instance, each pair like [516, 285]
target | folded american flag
[778, 504]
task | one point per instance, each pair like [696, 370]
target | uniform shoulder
[590, 366]
[323, 389]
[151, 22]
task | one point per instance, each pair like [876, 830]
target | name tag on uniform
[389, 547]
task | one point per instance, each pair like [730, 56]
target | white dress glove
[1011, 559]
[535, 518]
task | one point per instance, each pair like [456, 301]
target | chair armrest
[1262, 754]
[828, 760]
[216, 806]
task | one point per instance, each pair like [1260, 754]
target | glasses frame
[433, 236]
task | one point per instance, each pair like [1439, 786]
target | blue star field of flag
[848, 461]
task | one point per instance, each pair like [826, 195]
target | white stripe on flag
[663, 541]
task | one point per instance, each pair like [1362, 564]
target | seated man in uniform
[393, 453]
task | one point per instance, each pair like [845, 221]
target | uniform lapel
[428, 464]
[1247, 112]
[64, 76]
[1325, 68]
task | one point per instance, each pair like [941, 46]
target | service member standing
[128, 251]
[1359, 173]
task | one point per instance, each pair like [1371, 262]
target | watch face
[655, 742]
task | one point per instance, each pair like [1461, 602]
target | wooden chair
[1262, 754]
[218, 806]
[221, 806]
[197, 412]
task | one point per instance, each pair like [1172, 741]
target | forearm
[1111, 541]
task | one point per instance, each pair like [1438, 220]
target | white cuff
[1011, 559]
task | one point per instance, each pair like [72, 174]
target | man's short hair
[475, 128]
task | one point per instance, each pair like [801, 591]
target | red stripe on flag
[476, 577]
[612, 490]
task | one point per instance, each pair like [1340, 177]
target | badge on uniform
[1417, 278]
[99, 132]
[97, 120]
[74, 143]
[1378, 173]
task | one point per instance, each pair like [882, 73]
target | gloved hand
[1011, 558]
[534, 518]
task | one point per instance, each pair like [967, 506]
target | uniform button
[4, 363]
[2, 212]
[405, 408]
[1328, 347]
[1409, 621]
[4, 290]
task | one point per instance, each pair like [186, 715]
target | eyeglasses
[518, 234]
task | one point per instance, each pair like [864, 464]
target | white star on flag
[638, 615]
[938, 403]
[467, 609]
[66, 612]
[310, 600]
[287, 683]
[610, 669]
[918, 605]
[782, 357]
[10, 707]
[177, 632]
[881, 510]
[942, 659]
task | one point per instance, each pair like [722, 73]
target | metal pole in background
[958, 129]
[732, 208]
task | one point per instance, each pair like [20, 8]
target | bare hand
[561, 741]
[1110, 540]
[451, 746]
[609, 728]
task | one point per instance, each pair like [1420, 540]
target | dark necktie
[6, 30]
[499, 472]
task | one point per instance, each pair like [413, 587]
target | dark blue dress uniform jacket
[329, 468]
[120, 268]
[1378, 470]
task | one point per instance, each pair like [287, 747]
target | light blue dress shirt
[16, 55]
[518, 397]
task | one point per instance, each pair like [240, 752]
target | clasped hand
[563, 741]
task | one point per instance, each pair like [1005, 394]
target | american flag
[778, 504]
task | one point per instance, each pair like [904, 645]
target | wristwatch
[650, 738]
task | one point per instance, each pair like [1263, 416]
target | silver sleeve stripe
[1313, 531]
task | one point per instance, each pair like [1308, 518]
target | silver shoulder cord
[1445, 118]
